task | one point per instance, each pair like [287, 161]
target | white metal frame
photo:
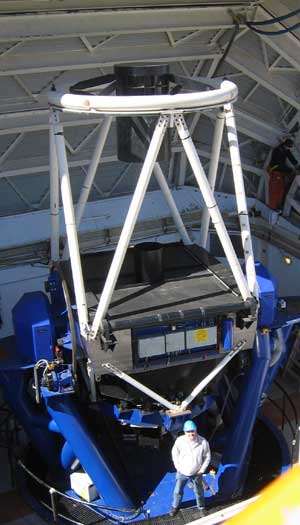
[195, 392]
[170, 110]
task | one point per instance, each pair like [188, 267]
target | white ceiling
[46, 42]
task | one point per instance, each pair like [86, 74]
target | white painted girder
[69, 60]
[105, 159]
[32, 170]
[106, 22]
[277, 83]
[288, 45]
[38, 120]
[55, 5]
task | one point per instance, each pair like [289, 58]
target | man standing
[191, 457]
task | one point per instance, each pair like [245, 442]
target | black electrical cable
[228, 47]
[274, 33]
[253, 25]
[274, 20]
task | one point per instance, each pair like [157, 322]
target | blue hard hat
[189, 426]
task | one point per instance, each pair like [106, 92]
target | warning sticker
[201, 335]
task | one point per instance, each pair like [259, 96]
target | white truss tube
[142, 388]
[187, 401]
[212, 174]
[129, 223]
[154, 104]
[90, 176]
[241, 199]
[54, 196]
[67, 201]
[212, 206]
[171, 203]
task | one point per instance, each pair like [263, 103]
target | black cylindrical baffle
[149, 262]
[134, 133]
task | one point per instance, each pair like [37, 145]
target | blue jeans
[181, 481]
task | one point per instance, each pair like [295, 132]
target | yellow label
[201, 335]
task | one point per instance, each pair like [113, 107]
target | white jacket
[191, 457]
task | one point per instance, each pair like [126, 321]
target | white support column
[129, 223]
[212, 206]
[67, 201]
[241, 198]
[54, 195]
[171, 203]
[86, 187]
[183, 159]
[212, 174]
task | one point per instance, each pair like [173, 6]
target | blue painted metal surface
[54, 287]
[138, 417]
[88, 451]
[61, 382]
[267, 296]
[34, 328]
[239, 437]
[227, 334]
[67, 456]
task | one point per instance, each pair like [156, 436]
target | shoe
[173, 511]
[202, 512]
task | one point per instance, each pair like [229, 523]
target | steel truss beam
[81, 59]
[33, 26]
[275, 82]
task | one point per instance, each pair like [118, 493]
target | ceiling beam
[19, 6]
[34, 26]
[81, 59]
[288, 45]
[277, 83]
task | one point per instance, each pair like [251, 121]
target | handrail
[146, 104]
[286, 419]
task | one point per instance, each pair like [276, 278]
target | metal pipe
[129, 223]
[54, 194]
[139, 386]
[67, 456]
[90, 176]
[53, 497]
[212, 206]
[143, 104]
[89, 451]
[185, 403]
[67, 201]
[241, 198]
[37, 384]
[171, 203]
[212, 174]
